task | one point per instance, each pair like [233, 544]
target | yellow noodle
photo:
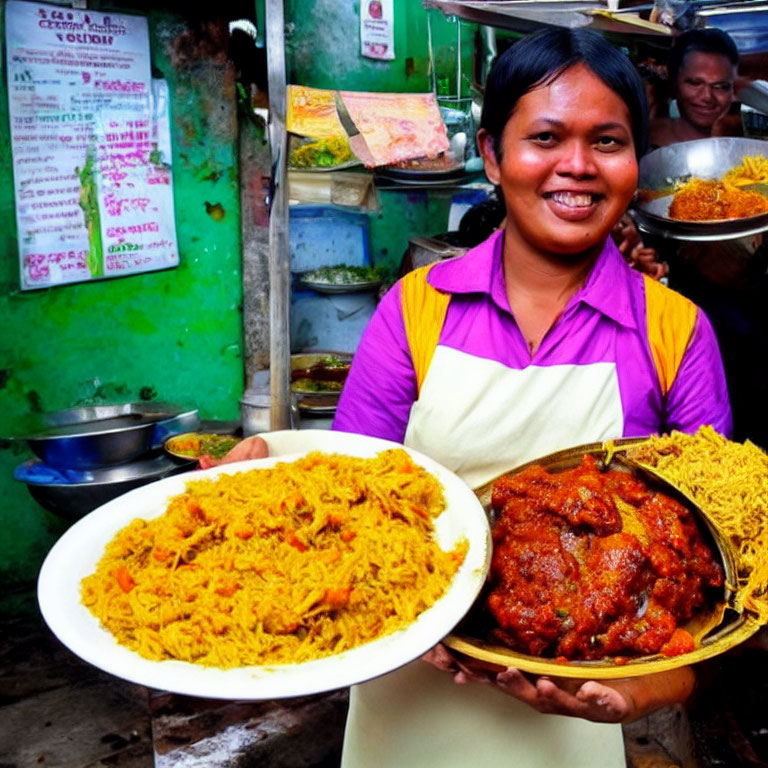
[752, 170]
[729, 482]
[277, 565]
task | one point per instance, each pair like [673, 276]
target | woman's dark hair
[540, 58]
[709, 40]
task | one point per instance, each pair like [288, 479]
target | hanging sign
[90, 146]
[377, 29]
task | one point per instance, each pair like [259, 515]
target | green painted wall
[173, 335]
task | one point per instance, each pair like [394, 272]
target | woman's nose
[576, 160]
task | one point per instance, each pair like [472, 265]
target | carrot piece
[335, 519]
[347, 536]
[337, 598]
[294, 542]
[227, 590]
[124, 579]
[195, 510]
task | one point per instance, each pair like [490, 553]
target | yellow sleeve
[671, 319]
[424, 309]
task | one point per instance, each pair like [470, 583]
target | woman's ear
[486, 146]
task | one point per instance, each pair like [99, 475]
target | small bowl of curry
[196, 445]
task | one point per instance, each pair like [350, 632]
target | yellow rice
[729, 482]
[278, 565]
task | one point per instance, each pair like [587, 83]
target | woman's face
[704, 88]
[568, 168]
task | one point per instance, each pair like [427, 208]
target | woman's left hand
[616, 701]
[589, 700]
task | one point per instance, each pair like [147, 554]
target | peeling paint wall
[177, 335]
[173, 335]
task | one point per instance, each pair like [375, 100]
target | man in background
[702, 69]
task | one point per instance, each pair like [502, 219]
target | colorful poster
[396, 126]
[90, 145]
[377, 29]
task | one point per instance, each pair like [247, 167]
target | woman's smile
[572, 205]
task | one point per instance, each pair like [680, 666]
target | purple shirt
[604, 322]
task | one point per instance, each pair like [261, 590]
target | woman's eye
[609, 142]
[545, 137]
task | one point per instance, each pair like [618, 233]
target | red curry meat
[573, 577]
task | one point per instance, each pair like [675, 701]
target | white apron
[417, 717]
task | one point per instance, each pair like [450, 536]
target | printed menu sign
[90, 145]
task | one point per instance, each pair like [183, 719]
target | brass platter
[715, 631]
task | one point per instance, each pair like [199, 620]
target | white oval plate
[76, 553]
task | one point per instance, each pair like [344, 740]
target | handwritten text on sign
[90, 143]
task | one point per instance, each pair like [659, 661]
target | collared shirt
[592, 377]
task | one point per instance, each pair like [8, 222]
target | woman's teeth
[572, 199]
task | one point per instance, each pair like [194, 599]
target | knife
[356, 139]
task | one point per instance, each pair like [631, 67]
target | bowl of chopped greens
[196, 445]
[318, 378]
[328, 154]
[342, 278]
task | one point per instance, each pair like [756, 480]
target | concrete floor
[59, 712]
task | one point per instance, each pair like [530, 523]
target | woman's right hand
[253, 447]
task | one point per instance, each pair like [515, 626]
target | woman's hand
[590, 700]
[251, 448]
[615, 701]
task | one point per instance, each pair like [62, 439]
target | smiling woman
[538, 339]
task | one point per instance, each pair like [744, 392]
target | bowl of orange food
[600, 569]
[705, 190]
[200, 445]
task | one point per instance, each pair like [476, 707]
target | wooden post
[279, 247]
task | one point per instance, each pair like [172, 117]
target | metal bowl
[95, 444]
[93, 437]
[72, 501]
[706, 159]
